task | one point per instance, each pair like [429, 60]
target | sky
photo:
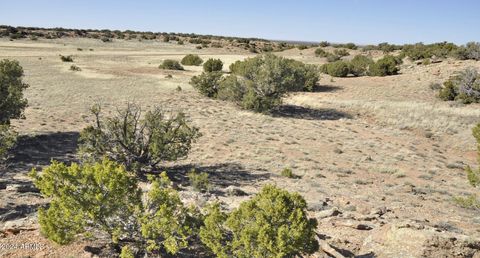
[339, 21]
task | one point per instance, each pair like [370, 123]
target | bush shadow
[299, 112]
[221, 175]
[38, 150]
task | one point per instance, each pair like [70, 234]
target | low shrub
[169, 64]
[332, 58]
[199, 181]
[213, 65]
[470, 51]
[281, 227]
[105, 198]
[66, 58]
[8, 139]
[463, 86]
[287, 172]
[420, 51]
[192, 59]
[207, 83]
[75, 68]
[336, 69]
[388, 65]
[360, 65]
[320, 52]
[473, 177]
[139, 142]
[341, 52]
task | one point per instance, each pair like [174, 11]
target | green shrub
[359, 65]
[199, 181]
[320, 52]
[463, 86]
[232, 88]
[283, 73]
[341, 52]
[302, 47]
[473, 176]
[213, 65]
[207, 83]
[280, 227]
[105, 198]
[139, 142]
[388, 65]
[287, 172]
[7, 141]
[75, 68]
[12, 102]
[66, 58]
[192, 59]
[470, 51]
[169, 64]
[332, 58]
[420, 51]
[336, 69]
[258, 83]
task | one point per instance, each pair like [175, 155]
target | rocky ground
[379, 160]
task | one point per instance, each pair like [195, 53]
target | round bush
[359, 65]
[274, 223]
[385, 66]
[213, 65]
[337, 69]
[191, 59]
[169, 64]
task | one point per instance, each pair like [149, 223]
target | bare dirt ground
[382, 147]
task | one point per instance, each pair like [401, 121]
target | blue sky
[359, 21]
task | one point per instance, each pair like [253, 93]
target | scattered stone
[328, 213]
[235, 191]
[22, 188]
[355, 225]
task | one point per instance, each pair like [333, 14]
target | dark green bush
[470, 51]
[139, 142]
[420, 51]
[341, 52]
[320, 52]
[191, 59]
[169, 64]
[332, 58]
[280, 227]
[66, 58]
[8, 139]
[336, 69]
[12, 102]
[258, 83]
[207, 83]
[359, 65]
[388, 65]
[464, 87]
[75, 68]
[213, 65]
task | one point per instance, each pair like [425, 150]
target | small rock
[328, 213]
[234, 191]
[25, 188]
